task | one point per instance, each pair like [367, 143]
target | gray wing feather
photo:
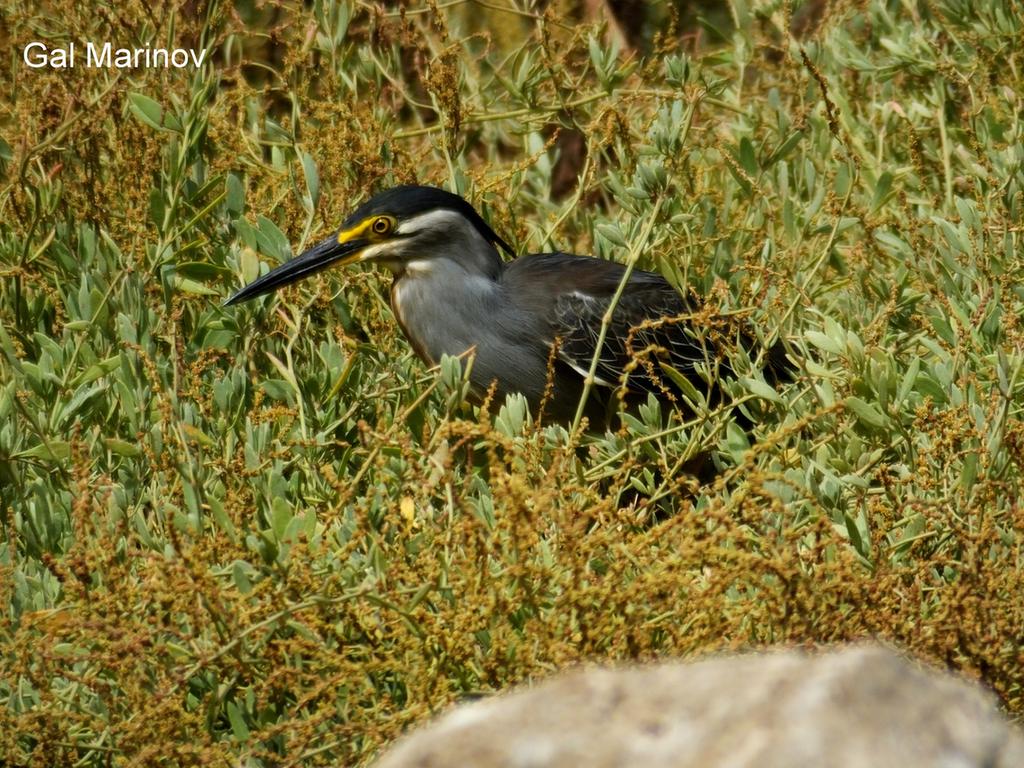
[648, 327]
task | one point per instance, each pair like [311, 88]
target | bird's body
[512, 350]
[531, 324]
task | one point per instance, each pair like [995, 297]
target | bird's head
[405, 228]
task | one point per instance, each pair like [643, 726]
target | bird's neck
[439, 306]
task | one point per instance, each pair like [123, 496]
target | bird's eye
[381, 225]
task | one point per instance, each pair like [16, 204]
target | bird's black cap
[411, 200]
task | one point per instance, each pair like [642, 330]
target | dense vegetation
[266, 535]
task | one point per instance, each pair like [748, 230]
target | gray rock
[862, 707]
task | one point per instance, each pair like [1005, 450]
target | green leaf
[969, 474]
[957, 237]
[512, 416]
[187, 285]
[740, 179]
[685, 385]
[312, 178]
[736, 440]
[271, 240]
[234, 198]
[867, 413]
[944, 327]
[238, 726]
[761, 389]
[122, 447]
[199, 270]
[612, 234]
[787, 146]
[249, 262]
[240, 575]
[278, 389]
[451, 373]
[748, 158]
[96, 371]
[6, 156]
[909, 380]
[146, 111]
[856, 538]
[893, 245]
[220, 517]
[77, 402]
[280, 517]
[54, 450]
[968, 212]
[823, 342]
[882, 189]
[198, 435]
[7, 399]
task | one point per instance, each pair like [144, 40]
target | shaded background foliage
[268, 535]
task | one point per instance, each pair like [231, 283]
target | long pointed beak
[328, 253]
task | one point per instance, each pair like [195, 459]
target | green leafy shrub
[267, 535]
